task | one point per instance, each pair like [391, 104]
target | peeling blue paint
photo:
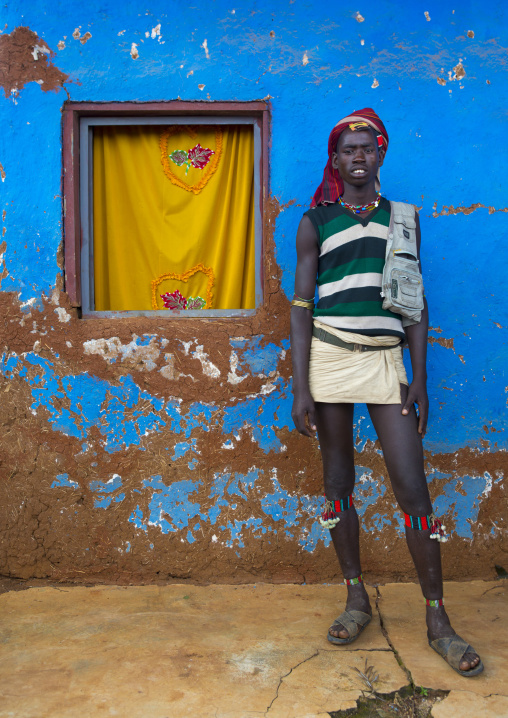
[172, 509]
[182, 447]
[105, 489]
[217, 492]
[241, 483]
[379, 522]
[199, 415]
[258, 50]
[261, 415]
[93, 403]
[136, 518]
[169, 507]
[312, 532]
[282, 507]
[236, 530]
[62, 480]
[367, 489]
[462, 498]
[257, 357]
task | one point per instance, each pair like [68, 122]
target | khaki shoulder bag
[402, 284]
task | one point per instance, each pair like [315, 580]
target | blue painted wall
[436, 74]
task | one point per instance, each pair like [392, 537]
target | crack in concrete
[492, 588]
[388, 640]
[286, 675]
[352, 650]
[321, 650]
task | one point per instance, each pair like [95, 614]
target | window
[165, 218]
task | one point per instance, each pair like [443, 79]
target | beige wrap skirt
[337, 375]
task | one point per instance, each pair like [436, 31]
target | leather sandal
[354, 622]
[452, 649]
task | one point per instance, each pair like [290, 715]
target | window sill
[172, 314]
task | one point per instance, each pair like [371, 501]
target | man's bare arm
[301, 326]
[416, 336]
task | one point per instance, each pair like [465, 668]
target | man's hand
[417, 394]
[303, 413]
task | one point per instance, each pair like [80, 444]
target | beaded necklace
[357, 208]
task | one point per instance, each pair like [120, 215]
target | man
[347, 349]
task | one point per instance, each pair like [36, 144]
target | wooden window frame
[77, 119]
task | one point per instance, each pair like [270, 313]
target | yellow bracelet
[305, 305]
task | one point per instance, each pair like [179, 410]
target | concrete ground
[183, 651]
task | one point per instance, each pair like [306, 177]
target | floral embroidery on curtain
[196, 157]
[175, 300]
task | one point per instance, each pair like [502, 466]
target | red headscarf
[332, 186]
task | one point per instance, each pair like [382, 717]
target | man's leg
[403, 454]
[335, 431]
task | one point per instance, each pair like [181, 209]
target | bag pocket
[405, 254]
[406, 289]
[404, 235]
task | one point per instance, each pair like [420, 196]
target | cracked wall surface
[158, 448]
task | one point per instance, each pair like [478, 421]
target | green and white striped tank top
[351, 260]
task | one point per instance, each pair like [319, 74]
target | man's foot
[438, 626]
[357, 600]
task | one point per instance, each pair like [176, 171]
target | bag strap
[389, 241]
[402, 209]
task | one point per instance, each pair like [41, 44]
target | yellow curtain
[173, 217]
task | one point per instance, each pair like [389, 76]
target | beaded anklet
[329, 518]
[354, 581]
[437, 529]
[434, 603]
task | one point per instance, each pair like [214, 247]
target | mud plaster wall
[135, 450]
